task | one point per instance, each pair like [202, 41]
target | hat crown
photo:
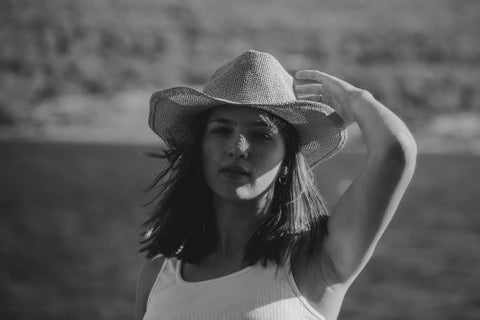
[252, 78]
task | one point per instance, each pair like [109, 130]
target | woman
[240, 231]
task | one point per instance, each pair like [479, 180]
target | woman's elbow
[404, 147]
[402, 155]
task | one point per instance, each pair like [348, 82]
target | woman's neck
[236, 222]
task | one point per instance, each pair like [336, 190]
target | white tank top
[253, 293]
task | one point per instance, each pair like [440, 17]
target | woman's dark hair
[183, 224]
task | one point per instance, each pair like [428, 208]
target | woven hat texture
[253, 80]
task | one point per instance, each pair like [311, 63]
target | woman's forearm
[380, 127]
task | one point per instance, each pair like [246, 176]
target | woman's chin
[239, 193]
[243, 193]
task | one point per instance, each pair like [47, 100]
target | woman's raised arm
[367, 206]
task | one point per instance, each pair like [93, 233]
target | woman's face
[242, 152]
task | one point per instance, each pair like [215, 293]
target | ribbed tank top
[253, 293]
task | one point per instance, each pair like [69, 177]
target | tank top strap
[171, 265]
[166, 274]
[168, 265]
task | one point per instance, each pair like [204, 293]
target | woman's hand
[329, 90]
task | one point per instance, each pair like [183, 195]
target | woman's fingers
[312, 88]
[306, 75]
[315, 97]
[319, 76]
[312, 75]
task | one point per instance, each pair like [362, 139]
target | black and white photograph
[240, 160]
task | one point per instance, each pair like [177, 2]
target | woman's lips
[235, 173]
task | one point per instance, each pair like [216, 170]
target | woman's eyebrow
[265, 122]
[221, 121]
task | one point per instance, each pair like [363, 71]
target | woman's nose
[240, 147]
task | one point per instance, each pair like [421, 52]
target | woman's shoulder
[150, 270]
[146, 279]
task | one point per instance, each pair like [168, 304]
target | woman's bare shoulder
[146, 279]
[149, 272]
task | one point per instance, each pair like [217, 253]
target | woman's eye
[262, 136]
[220, 130]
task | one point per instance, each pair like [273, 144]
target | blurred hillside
[85, 63]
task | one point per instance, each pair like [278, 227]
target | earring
[283, 177]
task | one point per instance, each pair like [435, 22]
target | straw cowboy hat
[254, 80]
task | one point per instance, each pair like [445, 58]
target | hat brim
[321, 130]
